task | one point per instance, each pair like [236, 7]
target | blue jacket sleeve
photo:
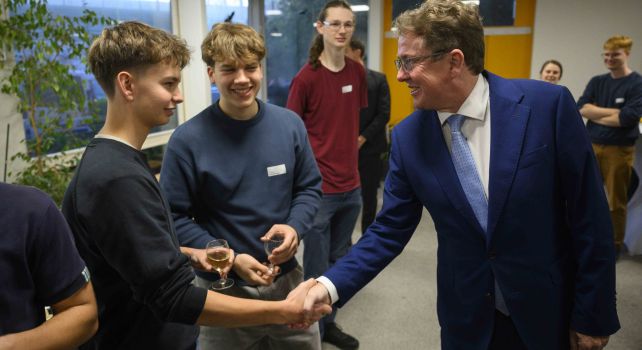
[587, 212]
[386, 237]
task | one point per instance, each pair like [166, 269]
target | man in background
[612, 103]
[372, 135]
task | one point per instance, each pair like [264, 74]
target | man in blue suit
[506, 170]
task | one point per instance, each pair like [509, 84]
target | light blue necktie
[472, 185]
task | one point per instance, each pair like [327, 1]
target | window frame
[189, 21]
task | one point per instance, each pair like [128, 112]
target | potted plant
[48, 52]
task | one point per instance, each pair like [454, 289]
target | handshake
[306, 304]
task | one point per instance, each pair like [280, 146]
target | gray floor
[397, 309]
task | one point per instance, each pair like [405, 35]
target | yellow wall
[506, 55]
[510, 55]
[400, 99]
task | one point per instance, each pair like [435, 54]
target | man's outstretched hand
[316, 305]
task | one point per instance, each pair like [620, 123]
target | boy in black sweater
[122, 223]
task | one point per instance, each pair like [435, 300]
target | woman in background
[551, 71]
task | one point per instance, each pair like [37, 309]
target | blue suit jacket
[550, 243]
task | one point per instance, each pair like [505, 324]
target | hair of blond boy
[133, 45]
[619, 42]
[232, 41]
[446, 25]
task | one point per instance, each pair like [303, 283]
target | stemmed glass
[275, 241]
[218, 255]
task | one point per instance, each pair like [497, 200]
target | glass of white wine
[275, 241]
[218, 255]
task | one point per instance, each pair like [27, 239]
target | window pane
[497, 12]
[493, 12]
[289, 32]
[155, 157]
[153, 12]
[224, 10]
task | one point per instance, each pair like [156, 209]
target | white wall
[573, 32]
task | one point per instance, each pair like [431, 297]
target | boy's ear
[124, 85]
[210, 73]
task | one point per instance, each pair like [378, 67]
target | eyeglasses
[336, 25]
[408, 63]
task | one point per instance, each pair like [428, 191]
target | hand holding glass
[274, 242]
[218, 255]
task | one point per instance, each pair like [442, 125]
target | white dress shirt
[476, 127]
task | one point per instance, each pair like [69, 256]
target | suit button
[488, 295]
[492, 255]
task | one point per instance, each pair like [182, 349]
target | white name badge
[619, 100]
[346, 89]
[276, 170]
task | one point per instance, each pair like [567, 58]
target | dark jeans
[370, 171]
[330, 236]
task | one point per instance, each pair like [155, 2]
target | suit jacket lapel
[439, 161]
[508, 126]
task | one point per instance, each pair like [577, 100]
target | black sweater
[124, 232]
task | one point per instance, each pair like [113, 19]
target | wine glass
[275, 241]
[218, 255]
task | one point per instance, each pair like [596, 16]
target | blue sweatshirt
[232, 179]
[623, 93]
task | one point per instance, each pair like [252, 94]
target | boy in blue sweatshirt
[243, 170]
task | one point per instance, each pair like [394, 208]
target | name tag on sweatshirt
[276, 170]
[619, 100]
[346, 89]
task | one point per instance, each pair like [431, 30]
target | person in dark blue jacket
[505, 168]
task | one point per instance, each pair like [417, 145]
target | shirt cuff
[332, 290]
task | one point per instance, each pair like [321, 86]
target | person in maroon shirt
[328, 94]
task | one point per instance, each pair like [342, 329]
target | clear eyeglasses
[408, 63]
[336, 25]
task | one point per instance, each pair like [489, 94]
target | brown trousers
[615, 164]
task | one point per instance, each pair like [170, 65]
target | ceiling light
[360, 8]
